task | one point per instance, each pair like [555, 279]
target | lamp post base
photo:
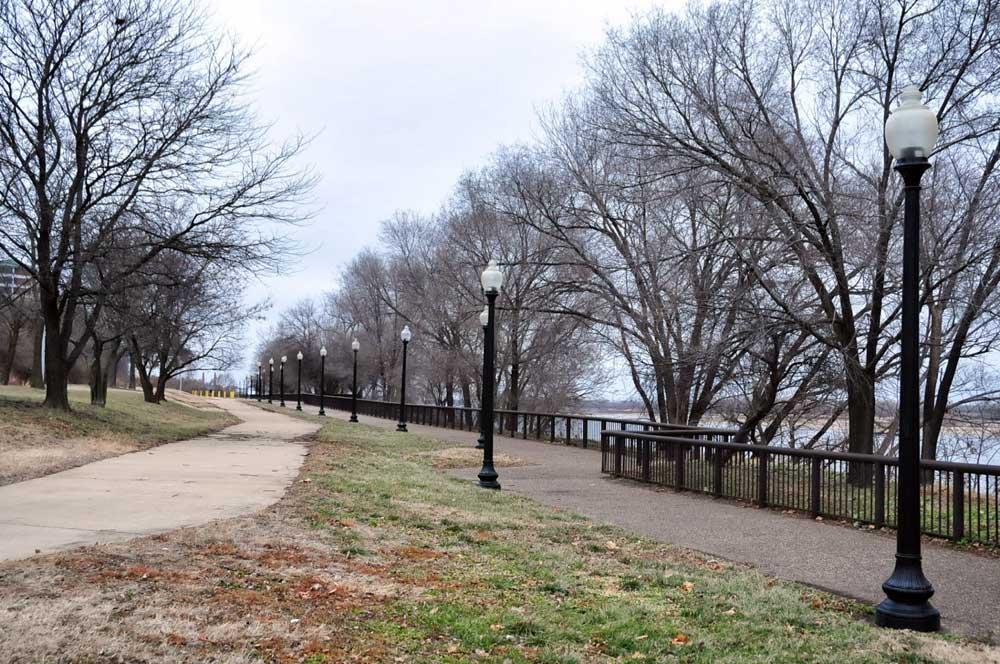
[906, 605]
[322, 413]
[488, 478]
[353, 418]
[401, 426]
[480, 444]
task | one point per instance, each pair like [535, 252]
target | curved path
[243, 468]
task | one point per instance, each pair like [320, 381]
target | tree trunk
[37, 379]
[56, 366]
[14, 333]
[147, 386]
[98, 380]
[861, 419]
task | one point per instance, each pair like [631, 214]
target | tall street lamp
[281, 379]
[405, 335]
[355, 347]
[322, 380]
[270, 380]
[260, 382]
[492, 281]
[910, 134]
[484, 320]
[298, 383]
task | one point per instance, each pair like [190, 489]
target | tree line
[715, 212]
[137, 188]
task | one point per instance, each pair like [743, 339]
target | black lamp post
[298, 383]
[281, 379]
[405, 336]
[270, 380]
[492, 281]
[322, 380]
[260, 382]
[910, 134]
[484, 320]
[355, 347]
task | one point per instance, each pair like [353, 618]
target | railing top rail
[575, 416]
[805, 453]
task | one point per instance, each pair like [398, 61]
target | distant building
[13, 279]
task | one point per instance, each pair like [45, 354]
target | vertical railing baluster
[762, 463]
[815, 487]
[585, 432]
[957, 505]
[880, 470]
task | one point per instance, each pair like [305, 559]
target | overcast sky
[403, 97]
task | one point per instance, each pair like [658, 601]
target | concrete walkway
[840, 559]
[240, 469]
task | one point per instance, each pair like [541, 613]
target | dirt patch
[468, 457]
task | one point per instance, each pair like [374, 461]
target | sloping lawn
[36, 441]
[376, 556]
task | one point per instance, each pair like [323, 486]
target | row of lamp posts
[910, 134]
[355, 346]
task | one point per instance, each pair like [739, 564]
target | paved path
[844, 560]
[240, 469]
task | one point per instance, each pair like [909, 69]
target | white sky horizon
[402, 98]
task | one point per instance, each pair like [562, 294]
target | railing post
[538, 426]
[619, 451]
[552, 429]
[815, 486]
[717, 456]
[879, 495]
[958, 505]
[569, 431]
[679, 460]
[762, 461]
[585, 434]
[644, 446]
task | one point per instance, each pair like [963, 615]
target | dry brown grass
[468, 457]
[371, 556]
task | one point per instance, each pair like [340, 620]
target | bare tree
[126, 116]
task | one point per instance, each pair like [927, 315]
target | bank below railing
[960, 501]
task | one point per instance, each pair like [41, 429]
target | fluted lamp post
[270, 380]
[260, 381]
[298, 383]
[322, 380]
[405, 335]
[484, 320]
[910, 134]
[281, 379]
[355, 347]
[492, 281]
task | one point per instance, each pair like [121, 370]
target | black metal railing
[960, 501]
[567, 428]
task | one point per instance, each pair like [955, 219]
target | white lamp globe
[322, 351]
[271, 362]
[484, 316]
[406, 335]
[912, 129]
[492, 278]
[355, 345]
[284, 358]
[299, 356]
